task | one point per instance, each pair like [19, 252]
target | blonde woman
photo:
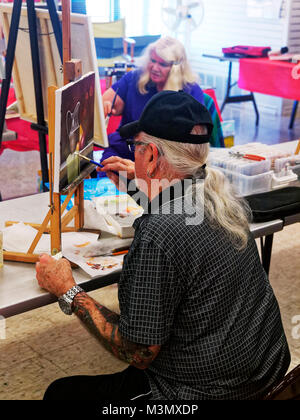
[198, 318]
[164, 67]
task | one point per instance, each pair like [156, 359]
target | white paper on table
[95, 266]
[19, 237]
[87, 256]
[75, 245]
[77, 239]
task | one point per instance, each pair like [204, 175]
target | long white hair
[221, 205]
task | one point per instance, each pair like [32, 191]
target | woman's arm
[108, 98]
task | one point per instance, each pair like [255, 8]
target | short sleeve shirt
[209, 306]
[135, 102]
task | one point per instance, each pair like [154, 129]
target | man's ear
[153, 159]
[155, 153]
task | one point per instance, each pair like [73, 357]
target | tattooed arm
[57, 278]
[103, 324]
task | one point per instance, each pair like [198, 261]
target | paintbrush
[112, 107]
[121, 177]
[101, 166]
[104, 252]
[89, 160]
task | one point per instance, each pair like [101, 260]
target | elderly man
[198, 318]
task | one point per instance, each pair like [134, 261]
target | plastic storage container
[1, 249]
[292, 161]
[247, 185]
[239, 164]
[271, 153]
[296, 170]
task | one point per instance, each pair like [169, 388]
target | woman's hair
[221, 206]
[172, 51]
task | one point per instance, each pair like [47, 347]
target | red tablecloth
[27, 140]
[269, 77]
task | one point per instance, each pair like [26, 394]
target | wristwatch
[65, 301]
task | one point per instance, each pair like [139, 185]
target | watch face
[65, 307]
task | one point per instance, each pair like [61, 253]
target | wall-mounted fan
[182, 17]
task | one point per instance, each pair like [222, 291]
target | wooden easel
[72, 70]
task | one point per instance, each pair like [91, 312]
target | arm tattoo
[104, 324]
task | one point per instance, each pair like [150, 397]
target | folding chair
[288, 389]
[111, 43]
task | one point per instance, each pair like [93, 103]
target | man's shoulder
[159, 228]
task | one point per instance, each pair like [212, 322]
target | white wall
[227, 23]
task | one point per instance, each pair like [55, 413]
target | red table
[231, 99]
[270, 77]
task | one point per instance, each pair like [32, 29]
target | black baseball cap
[171, 115]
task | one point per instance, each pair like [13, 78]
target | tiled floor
[44, 344]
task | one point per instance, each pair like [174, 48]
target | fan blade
[193, 23]
[169, 10]
[176, 24]
[193, 5]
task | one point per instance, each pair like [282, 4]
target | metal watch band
[71, 293]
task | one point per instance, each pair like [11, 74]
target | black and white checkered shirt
[208, 305]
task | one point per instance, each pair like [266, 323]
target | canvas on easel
[72, 119]
[83, 48]
[74, 133]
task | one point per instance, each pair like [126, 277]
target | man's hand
[117, 164]
[54, 276]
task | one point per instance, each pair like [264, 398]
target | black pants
[130, 384]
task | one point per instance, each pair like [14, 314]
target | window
[100, 11]
[142, 17]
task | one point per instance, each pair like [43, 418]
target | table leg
[293, 115]
[255, 108]
[228, 86]
[238, 98]
[267, 252]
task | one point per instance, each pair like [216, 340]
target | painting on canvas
[74, 132]
[82, 46]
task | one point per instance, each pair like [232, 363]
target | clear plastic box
[239, 164]
[247, 185]
[267, 151]
[296, 170]
[292, 161]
